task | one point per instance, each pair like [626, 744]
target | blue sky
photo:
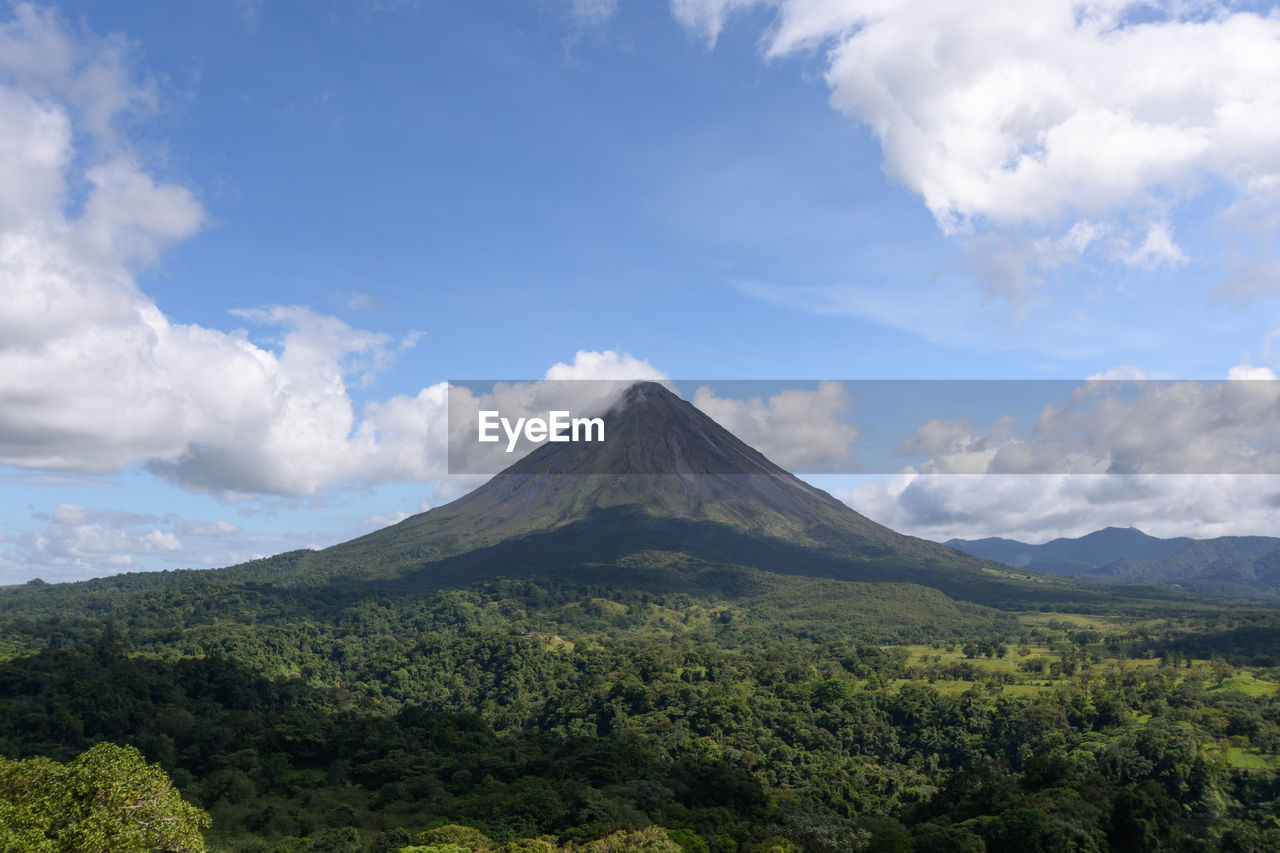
[244, 241]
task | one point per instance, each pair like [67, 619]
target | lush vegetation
[543, 715]
[635, 664]
[109, 798]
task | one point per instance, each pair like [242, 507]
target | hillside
[1236, 566]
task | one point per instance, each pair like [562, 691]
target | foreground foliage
[109, 798]
[539, 716]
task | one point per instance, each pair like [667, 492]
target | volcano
[662, 459]
[669, 497]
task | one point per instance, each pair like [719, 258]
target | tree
[527, 845]
[106, 799]
[651, 840]
[467, 838]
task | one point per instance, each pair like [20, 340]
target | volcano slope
[669, 500]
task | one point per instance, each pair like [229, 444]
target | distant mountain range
[1238, 566]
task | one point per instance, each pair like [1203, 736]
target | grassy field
[1247, 684]
[1054, 649]
[1245, 757]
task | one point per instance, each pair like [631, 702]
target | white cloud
[1119, 427]
[73, 542]
[604, 365]
[377, 521]
[380, 520]
[1036, 508]
[301, 442]
[1067, 117]
[1245, 370]
[306, 436]
[216, 529]
[800, 430]
[1124, 371]
[79, 542]
[94, 378]
[45, 59]
[953, 447]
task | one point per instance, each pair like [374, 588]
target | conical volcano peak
[662, 457]
[666, 478]
[652, 430]
[644, 390]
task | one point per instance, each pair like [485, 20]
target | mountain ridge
[1238, 566]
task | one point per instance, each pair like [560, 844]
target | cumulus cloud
[1036, 508]
[604, 365]
[1125, 371]
[77, 540]
[1118, 427]
[94, 378]
[800, 430]
[73, 542]
[955, 447]
[304, 446]
[1245, 370]
[1047, 117]
[216, 529]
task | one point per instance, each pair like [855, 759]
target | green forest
[794, 715]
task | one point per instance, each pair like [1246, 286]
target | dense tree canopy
[108, 799]
[539, 716]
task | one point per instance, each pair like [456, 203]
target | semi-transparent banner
[860, 426]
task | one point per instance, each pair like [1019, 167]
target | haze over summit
[243, 246]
